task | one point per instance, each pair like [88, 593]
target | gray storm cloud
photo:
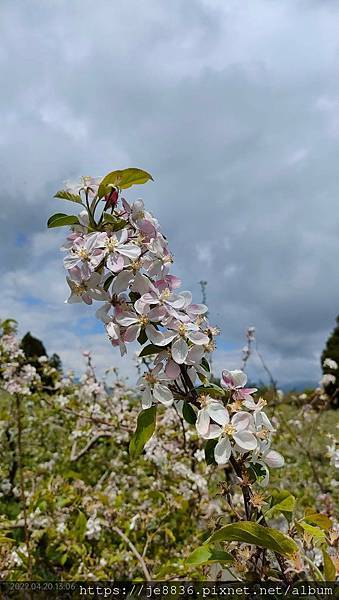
[233, 109]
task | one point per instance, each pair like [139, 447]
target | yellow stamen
[82, 253]
[229, 429]
[150, 378]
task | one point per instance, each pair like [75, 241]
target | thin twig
[135, 552]
[22, 483]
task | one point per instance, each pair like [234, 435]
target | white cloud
[231, 106]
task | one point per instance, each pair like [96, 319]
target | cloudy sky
[233, 107]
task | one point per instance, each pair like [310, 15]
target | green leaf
[213, 390]
[209, 452]
[188, 413]
[253, 533]
[315, 532]
[123, 179]
[61, 220]
[64, 558]
[142, 337]
[109, 218]
[63, 195]
[329, 567]
[108, 282]
[6, 540]
[256, 471]
[318, 519]
[150, 349]
[115, 221]
[207, 554]
[205, 364]
[282, 501]
[80, 526]
[144, 431]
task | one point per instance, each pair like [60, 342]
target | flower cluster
[241, 426]
[121, 259]
[16, 377]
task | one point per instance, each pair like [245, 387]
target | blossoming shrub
[185, 494]
[85, 496]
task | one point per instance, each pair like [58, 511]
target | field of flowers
[183, 477]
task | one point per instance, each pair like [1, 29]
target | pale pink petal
[197, 309]
[115, 262]
[214, 431]
[222, 451]
[159, 338]
[218, 413]
[245, 440]
[141, 284]
[162, 394]
[274, 460]
[157, 313]
[179, 351]
[132, 333]
[202, 423]
[187, 297]
[147, 399]
[241, 420]
[130, 250]
[172, 370]
[197, 337]
[122, 281]
[195, 355]
[127, 318]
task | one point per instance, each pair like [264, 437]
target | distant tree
[34, 350]
[331, 353]
[8, 326]
[55, 361]
[32, 347]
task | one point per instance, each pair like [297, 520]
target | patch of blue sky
[21, 239]
[85, 326]
[227, 346]
[32, 300]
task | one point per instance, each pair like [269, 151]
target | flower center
[204, 401]
[136, 264]
[111, 244]
[166, 294]
[79, 289]
[150, 378]
[182, 330]
[143, 320]
[229, 429]
[262, 402]
[210, 347]
[83, 254]
[263, 434]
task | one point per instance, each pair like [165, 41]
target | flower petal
[197, 337]
[202, 423]
[147, 399]
[159, 338]
[162, 394]
[222, 451]
[179, 351]
[130, 250]
[245, 440]
[241, 420]
[126, 319]
[122, 281]
[274, 460]
[218, 413]
[172, 370]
